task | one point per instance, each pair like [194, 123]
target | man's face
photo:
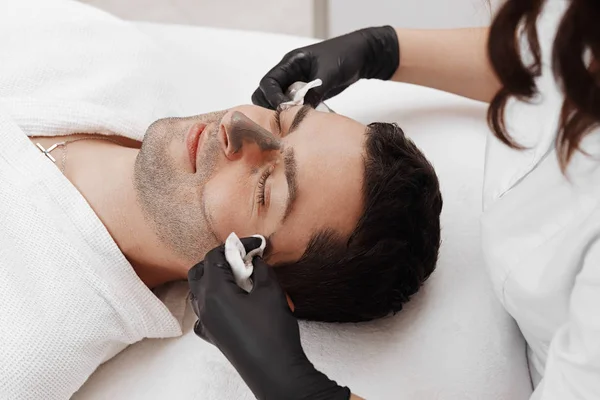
[200, 178]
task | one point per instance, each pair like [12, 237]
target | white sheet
[453, 341]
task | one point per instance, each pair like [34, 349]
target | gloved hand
[256, 331]
[339, 62]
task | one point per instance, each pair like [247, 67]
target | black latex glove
[370, 53]
[256, 331]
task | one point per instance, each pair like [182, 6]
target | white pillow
[453, 341]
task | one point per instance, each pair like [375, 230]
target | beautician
[538, 67]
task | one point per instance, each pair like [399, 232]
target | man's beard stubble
[170, 199]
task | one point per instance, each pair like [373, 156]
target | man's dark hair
[393, 249]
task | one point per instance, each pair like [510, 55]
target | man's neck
[103, 171]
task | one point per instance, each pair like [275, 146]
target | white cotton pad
[297, 91]
[240, 261]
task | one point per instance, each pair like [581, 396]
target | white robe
[69, 298]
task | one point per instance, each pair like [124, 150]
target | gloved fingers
[215, 256]
[251, 243]
[259, 99]
[295, 66]
[221, 277]
[314, 96]
[196, 284]
[265, 281]
[272, 91]
[217, 270]
[263, 275]
[197, 287]
[200, 331]
[216, 264]
[196, 272]
[195, 304]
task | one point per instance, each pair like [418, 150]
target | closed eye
[277, 119]
[260, 193]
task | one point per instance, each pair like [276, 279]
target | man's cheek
[227, 206]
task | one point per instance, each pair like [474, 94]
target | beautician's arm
[256, 331]
[452, 60]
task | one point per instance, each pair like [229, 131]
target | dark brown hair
[393, 249]
[578, 37]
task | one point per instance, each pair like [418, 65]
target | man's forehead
[330, 176]
[330, 134]
[333, 119]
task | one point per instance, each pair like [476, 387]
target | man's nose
[244, 138]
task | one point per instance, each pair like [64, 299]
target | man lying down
[344, 249]
[95, 215]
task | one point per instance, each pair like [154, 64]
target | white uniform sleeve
[573, 365]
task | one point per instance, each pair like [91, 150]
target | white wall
[304, 17]
[260, 15]
[348, 15]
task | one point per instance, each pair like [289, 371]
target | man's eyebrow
[299, 117]
[290, 170]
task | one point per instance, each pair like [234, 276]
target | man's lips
[192, 140]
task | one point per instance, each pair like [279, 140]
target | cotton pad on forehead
[298, 90]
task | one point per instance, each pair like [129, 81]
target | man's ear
[290, 302]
